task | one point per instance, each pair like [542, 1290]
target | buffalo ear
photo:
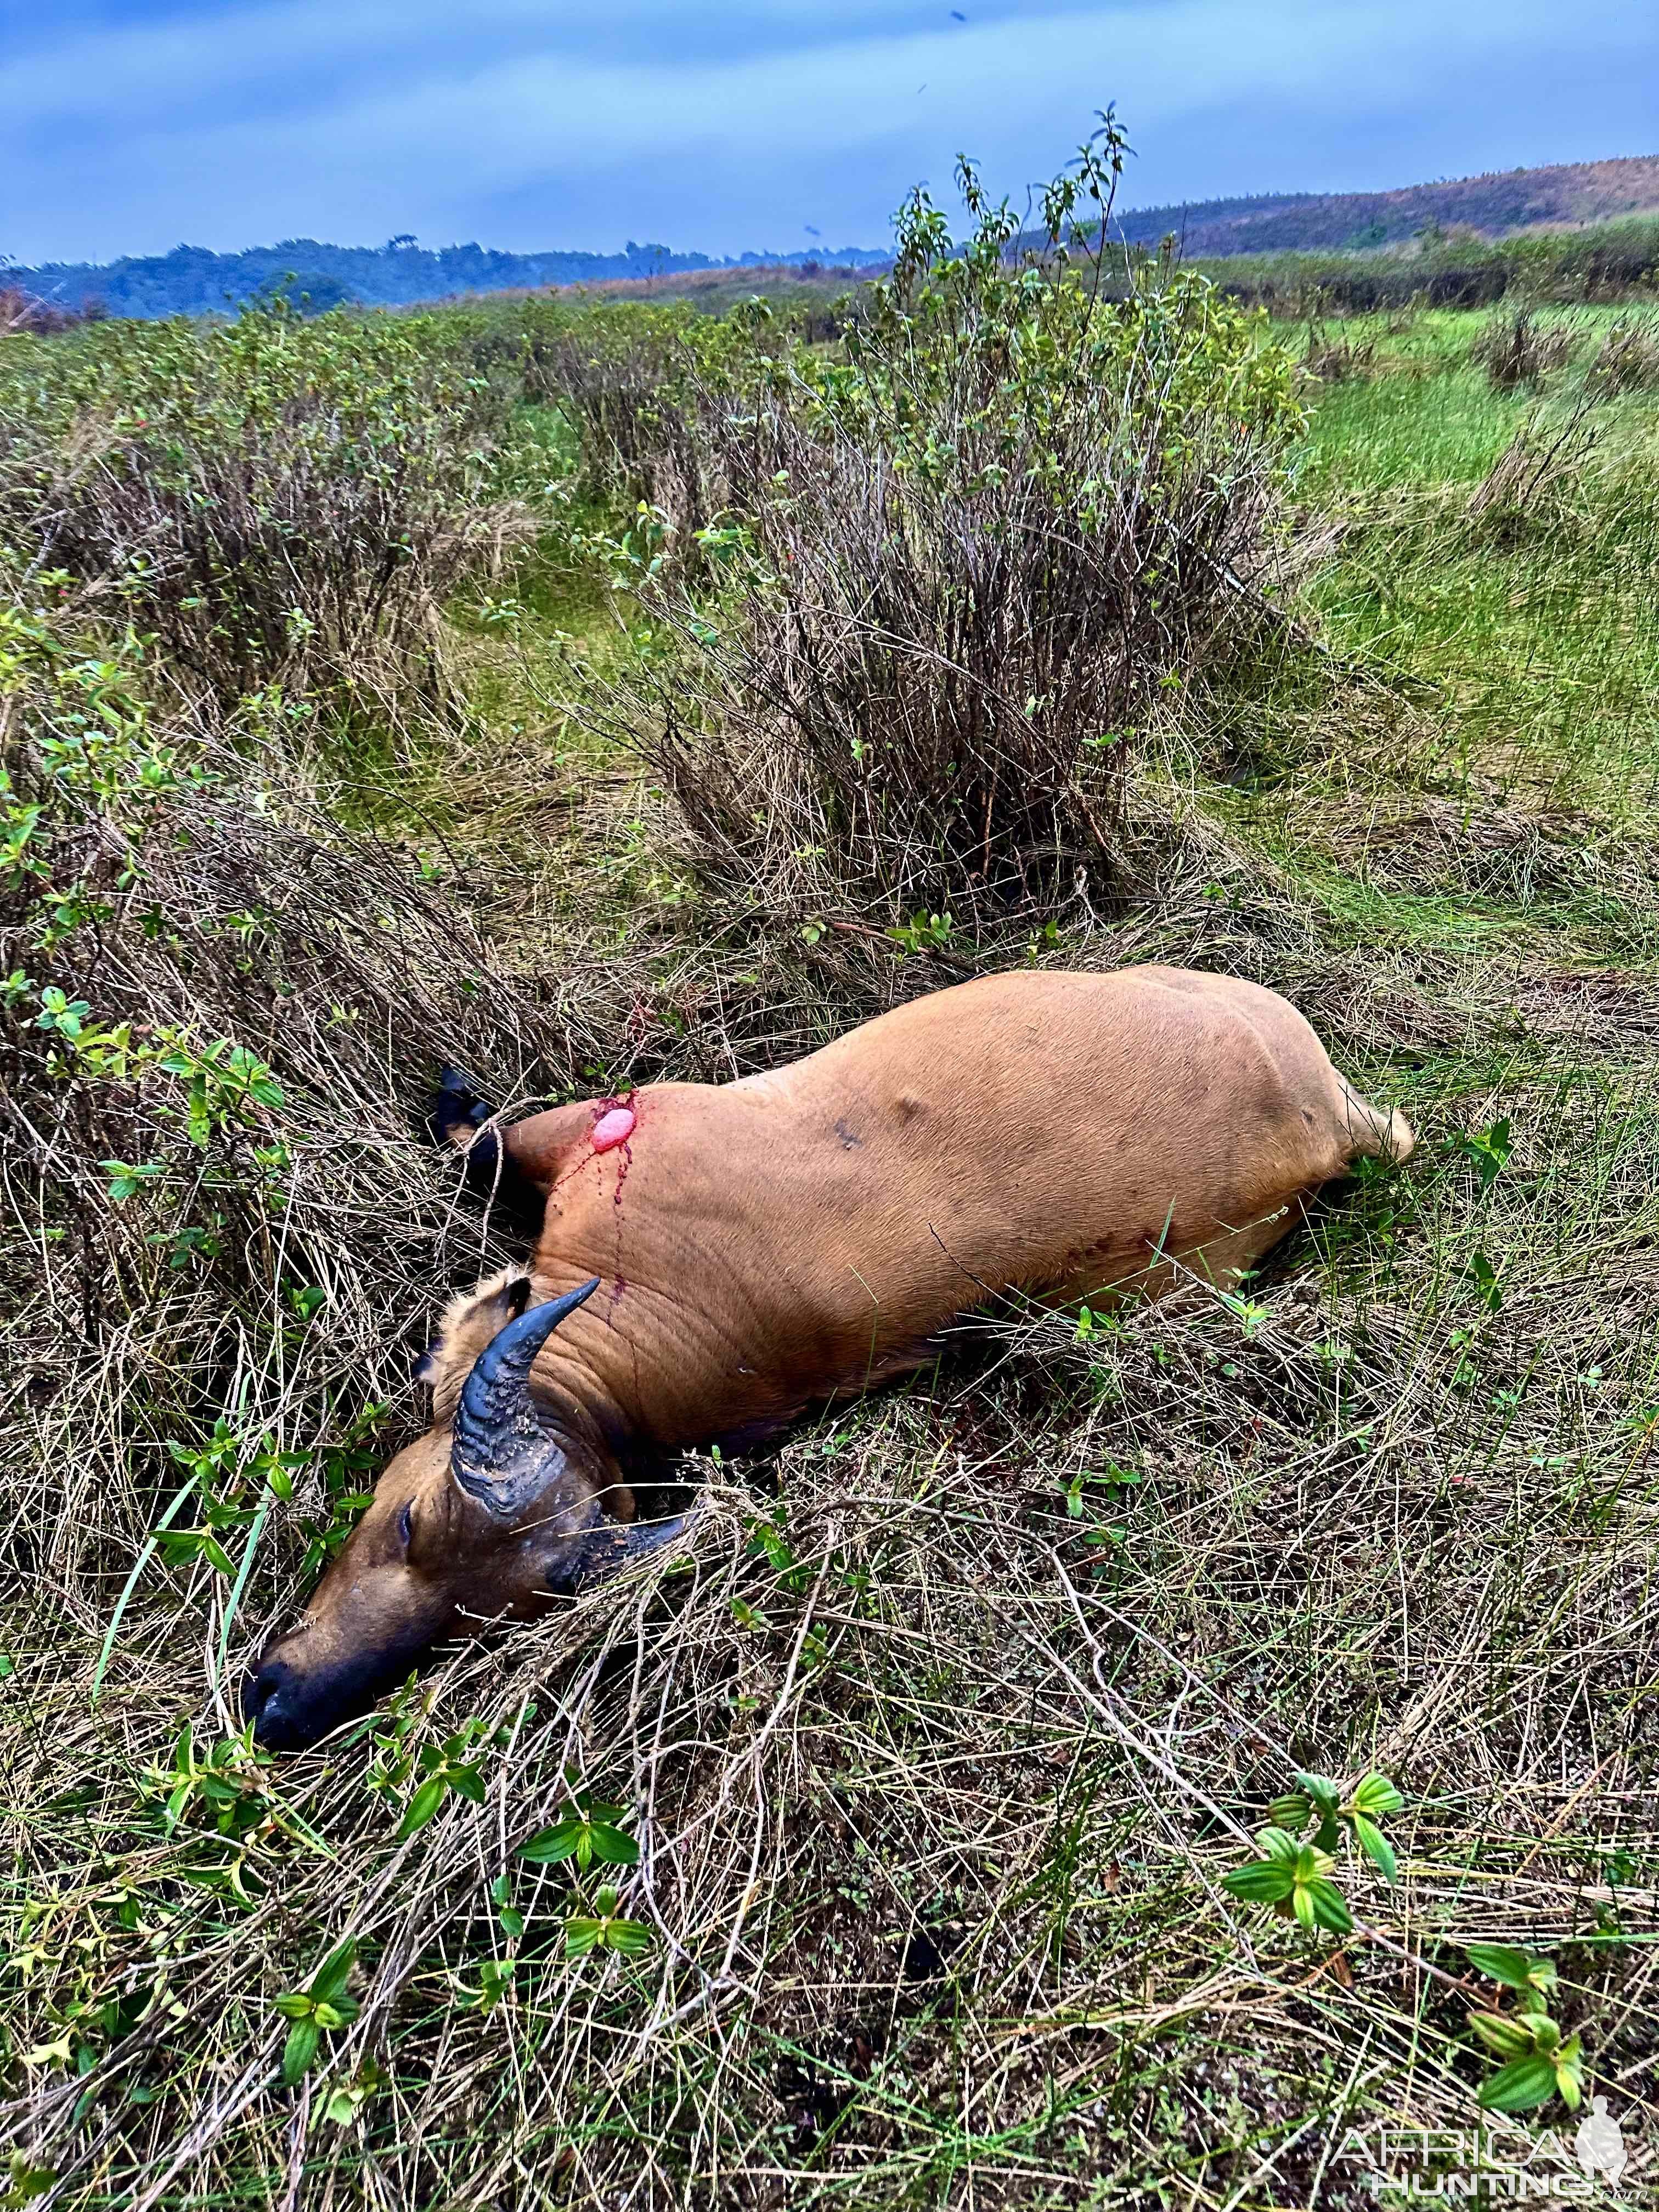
[470, 1322]
[612, 1546]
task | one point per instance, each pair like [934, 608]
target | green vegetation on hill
[986, 1809]
[1608, 261]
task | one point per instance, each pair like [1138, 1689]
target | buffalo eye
[406, 1525]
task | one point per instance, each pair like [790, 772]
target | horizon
[766, 257]
[770, 128]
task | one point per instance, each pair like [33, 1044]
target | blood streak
[614, 1127]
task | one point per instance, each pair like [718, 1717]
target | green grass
[1538, 627]
[1408, 430]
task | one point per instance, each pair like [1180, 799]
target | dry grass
[934, 1793]
[1516, 350]
[1338, 360]
[1627, 359]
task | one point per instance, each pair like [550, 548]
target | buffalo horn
[501, 1434]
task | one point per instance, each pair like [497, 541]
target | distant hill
[1496, 205]
[191, 281]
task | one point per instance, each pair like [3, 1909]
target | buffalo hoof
[458, 1108]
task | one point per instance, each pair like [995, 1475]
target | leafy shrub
[278, 502]
[646, 388]
[617, 369]
[962, 567]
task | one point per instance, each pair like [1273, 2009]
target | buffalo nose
[268, 1701]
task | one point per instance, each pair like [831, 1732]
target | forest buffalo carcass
[713, 1259]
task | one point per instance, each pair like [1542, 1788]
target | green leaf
[24, 2181]
[1328, 1908]
[1321, 1792]
[1519, 2085]
[552, 1845]
[1569, 2072]
[1376, 1845]
[584, 1835]
[1517, 1969]
[467, 1782]
[421, 1806]
[295, 2004]
[580, 1935]
[1293, 1811]
[1279, 1844]
[1375, 1794]
[631, 1937]
[301, 2048]
[1264, 1883]
[1501, 2034]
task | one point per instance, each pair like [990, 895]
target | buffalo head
[491, 1514]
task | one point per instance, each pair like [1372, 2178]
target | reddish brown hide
[767, 1244]
[770, 1242]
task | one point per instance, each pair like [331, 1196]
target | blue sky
[527, 123]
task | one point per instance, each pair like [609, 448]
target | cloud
[735, 127]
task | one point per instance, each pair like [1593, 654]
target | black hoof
[457, 1109]
[455, 1118]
